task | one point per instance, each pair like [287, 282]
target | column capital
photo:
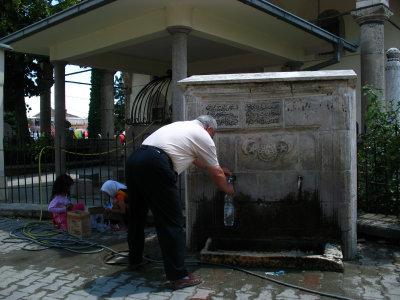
[58, 63]
[179, 29]
[375, 13]
[365, 3]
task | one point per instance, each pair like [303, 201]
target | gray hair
[208, 121]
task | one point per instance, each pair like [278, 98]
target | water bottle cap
[231, 178]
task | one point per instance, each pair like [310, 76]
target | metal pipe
[299, 183]
[62, 16]
[299, 22]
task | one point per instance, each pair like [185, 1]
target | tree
[94, 118]
[22, 70]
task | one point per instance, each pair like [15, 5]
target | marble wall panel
[263, 113]
[258, 152]
[311, 111]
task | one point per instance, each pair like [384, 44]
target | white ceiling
[131, 35]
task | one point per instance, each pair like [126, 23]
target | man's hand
[230, 190]
[226, 171]
[217, 175]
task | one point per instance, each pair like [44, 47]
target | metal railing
[90, 162]
[29, 171]
[378, 180]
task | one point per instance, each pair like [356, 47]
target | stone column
[45, 96]
[107, 105]
[179, 71]
[371, 15]
[392, 72]
[179, 68]
[128, 91]
[59, 117]
[3, 193]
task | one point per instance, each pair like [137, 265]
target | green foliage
[61, 5]
[16, 14]
[94, 118]
[29, 152]
[9, 117]
[22, 71]
[378, 157]
[119, 105]
[38, 145]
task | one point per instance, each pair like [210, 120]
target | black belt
[160, 151]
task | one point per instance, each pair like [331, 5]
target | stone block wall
[290, 138]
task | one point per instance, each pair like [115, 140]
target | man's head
[209, 124]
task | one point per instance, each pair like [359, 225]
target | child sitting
[117, 192]
[60, 202]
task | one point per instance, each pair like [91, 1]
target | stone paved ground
[58, 274]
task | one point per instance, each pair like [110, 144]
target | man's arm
[199, 163]
[217, 175]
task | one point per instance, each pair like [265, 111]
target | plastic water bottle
[229, 208]
[229, 211]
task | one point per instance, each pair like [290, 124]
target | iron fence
[29, 173]
[29, 170]
[378, 179]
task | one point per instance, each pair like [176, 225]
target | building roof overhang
[131, 35]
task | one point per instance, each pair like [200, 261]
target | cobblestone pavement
[59, 274]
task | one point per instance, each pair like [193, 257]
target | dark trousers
[151, 183]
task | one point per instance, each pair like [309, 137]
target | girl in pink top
[60, 202]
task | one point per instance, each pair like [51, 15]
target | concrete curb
[24, 210]
[378, 225]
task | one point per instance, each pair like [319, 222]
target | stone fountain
[290, 139]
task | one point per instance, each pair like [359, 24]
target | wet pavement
[59, 274]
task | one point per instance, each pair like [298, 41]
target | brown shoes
[182, 283]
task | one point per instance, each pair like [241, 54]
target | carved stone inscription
[263, 113]
[226, 115]
[266, 151]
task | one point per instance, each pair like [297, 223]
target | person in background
[78, 134]
[152, 171]
[119, 198]
[122, 137]
[60, 203]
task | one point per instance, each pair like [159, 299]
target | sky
[77, 96]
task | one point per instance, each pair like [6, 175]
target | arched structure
[151, 104]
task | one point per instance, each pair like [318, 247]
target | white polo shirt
[184, 142]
